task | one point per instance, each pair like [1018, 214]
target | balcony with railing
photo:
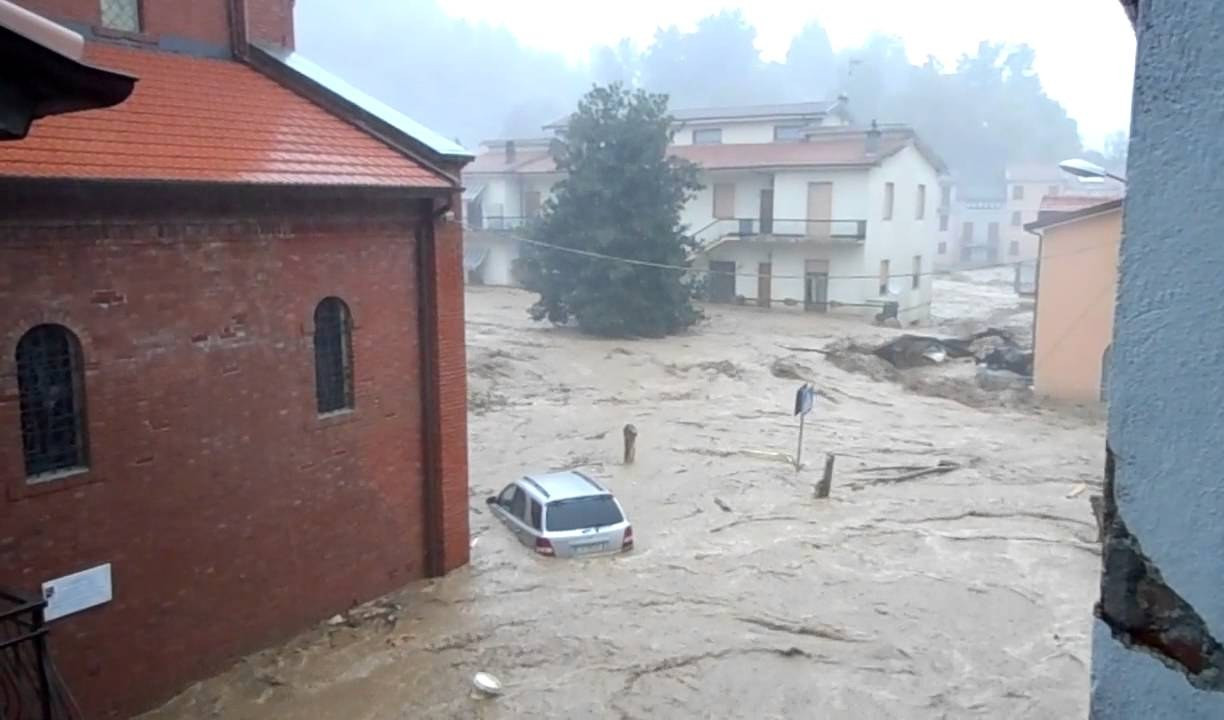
[784, 230]
[496, 222]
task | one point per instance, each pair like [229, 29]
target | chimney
[509, 151]
[871, 145]
[266, 22]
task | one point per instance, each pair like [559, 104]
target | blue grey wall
[1166, 419]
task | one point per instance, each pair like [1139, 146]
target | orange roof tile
[208, 120]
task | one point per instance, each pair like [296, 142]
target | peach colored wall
[1075, 306]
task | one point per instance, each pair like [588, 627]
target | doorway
[764, 284]
[816, 285]
[722, 281]
[819, 209]
[767, 198]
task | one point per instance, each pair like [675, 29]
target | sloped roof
[843, 149]
[436, 142]
[743, 112]
[208, 120]
[526, 161]
[740, 112]
[1071, 203]
[829, 148]
[1050, 219]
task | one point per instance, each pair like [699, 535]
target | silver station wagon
[563, 514]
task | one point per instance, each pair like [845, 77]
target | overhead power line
[707, 271]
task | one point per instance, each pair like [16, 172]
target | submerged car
[563, 514]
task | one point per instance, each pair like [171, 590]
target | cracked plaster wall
[1166, 423]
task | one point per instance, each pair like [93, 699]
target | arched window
[333, 346]
[51, 385]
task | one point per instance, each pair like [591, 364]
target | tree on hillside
[621, 197]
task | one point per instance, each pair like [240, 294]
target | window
[1017, 192]
[1016, 218]
[121, 15]
[917, 276]
[1014, 248]
[943, 248]
[884, 277]
[1052, 190]
[518, 504]
[531, 203]
[724, 201]
[536, 514]
[51, 387]
[333, 347]
[920, 211]
[709, 136]
[788, 133]
[943, 222]
[967, 232]
[945, 196]
[583, 512]
[992, 234]
[889, 193]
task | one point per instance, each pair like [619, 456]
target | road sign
[803, 406]
[803, 399]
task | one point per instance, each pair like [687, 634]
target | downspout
[1036, 299]
[431, 431]
[239, 46]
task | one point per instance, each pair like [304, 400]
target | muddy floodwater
[962, 594]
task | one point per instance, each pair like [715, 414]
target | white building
[504, 188]
[842, 219]
[798, 207]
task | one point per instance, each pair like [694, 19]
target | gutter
[1036, 295]
[431, 430]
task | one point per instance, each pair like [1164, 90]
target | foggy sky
[482, 69]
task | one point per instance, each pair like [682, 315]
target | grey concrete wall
[1155, 649]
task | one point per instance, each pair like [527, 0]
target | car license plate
[588, 548]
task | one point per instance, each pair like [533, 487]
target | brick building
[231, 353]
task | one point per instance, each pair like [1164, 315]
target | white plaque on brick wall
[78, 591]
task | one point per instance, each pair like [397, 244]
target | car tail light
[627, 543]
[544, 546]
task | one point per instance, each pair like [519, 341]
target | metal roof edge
[364, 111]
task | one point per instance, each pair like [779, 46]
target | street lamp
[1085, 169]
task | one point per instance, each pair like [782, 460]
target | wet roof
[435, 141]
[566, 485]
[209, 120]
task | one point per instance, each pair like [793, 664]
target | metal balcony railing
[30, 688]
[786, 229]
[497, 222]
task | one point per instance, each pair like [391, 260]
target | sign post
[803, 406]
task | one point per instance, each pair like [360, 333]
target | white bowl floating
[487, 684]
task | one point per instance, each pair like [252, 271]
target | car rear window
[580, 513]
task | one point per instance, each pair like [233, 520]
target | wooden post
[799, 450]
[826, 483]
[630, 444]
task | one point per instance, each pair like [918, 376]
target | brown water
[966, 594]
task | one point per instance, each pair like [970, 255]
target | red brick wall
[271, 21]
[232, 514]
[452, 394]
[207, 21]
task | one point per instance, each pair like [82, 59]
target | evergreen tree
[621, 197]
